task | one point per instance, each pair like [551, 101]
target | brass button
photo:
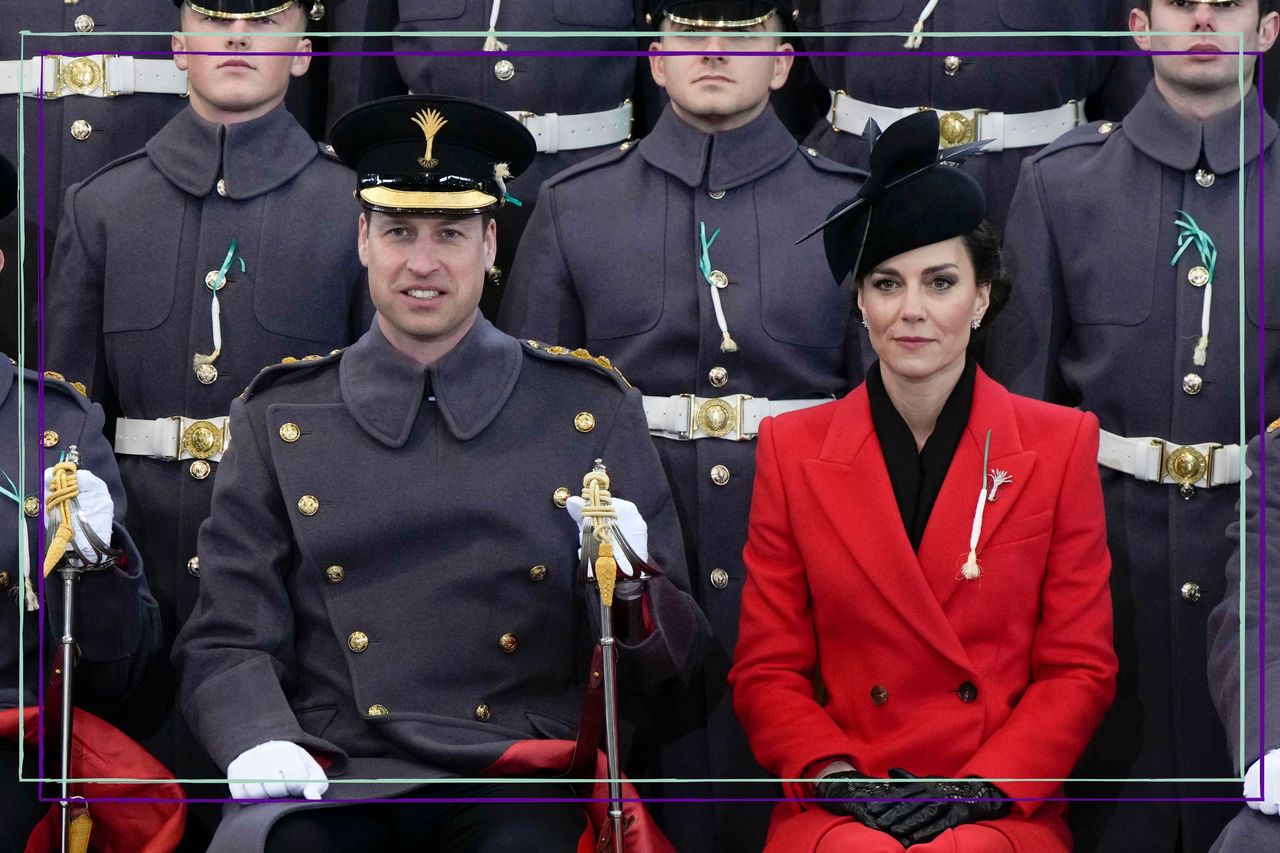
[719, 578]
[1191, 592]
[335, 574]
[222, 187]
[207, 374]
[625, 145]
[879, 695]
[193, 567]
[812, 152]
[378, 711]
[31, 506]
[81, 129]
[358, 641]
[308, 505]
[1106, 127]
[504, 69]
[951, 66]
[967, 692]
[716, 194]
[211, 279]
[483, 713]
[4, 581]
[560, 496]
[507, 642]
[719, 475]
[289, 432]
[84, 24]
[1198, 276]
[719, 279]
[718, 376]
[1192, 383]
[200, 469]
[49, 439]
[584, 422]
[1205, 178]
[316, 13]
[538, 574]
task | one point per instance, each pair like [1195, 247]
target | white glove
[95, 505]
[1252, 784]
[276, 759]
[629, 523]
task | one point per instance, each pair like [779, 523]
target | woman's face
[919, 306]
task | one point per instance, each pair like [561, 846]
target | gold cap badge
[430, 122]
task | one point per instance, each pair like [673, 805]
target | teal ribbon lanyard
[704, 251]
[1191, 234]
[219, 282]
[24, 554]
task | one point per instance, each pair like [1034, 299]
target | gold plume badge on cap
[430, 122]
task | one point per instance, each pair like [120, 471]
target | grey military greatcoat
[611, 262]
[389, 579]
[118, 624]
[937, 74]
[1100, 318]
[129, 305]
[1250, 830]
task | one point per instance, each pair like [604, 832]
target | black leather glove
[954, 804]
[848, 793]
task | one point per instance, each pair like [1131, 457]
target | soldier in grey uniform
[79, 112]
[575, 107]
[1257, 826]
[391, 578]
[1125, 244]
[1020, 103]
[118, 624]
[185, 268]
[675, 257]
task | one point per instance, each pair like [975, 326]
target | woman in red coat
[927, 590]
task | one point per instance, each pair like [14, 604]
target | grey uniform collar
[724, 160]
[1177, 141]
[253, 158]
[383, 388]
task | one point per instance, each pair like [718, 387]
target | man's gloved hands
[95, 505]
[842, 790]
[629, 523]
[960, 803]
[276, 759]
[1253, 781]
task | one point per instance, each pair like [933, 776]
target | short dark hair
[1264, 6]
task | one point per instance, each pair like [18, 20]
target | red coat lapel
[946, 538]
[852, 482]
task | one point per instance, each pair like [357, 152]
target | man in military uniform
[1019, 103]
[675, 257]
[575, 106]
[117, 629]
[1125, 245]
[185, 268]
[1257, 825]
[79, 113]
[391, 583]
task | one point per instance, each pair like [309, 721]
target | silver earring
[975, 324]
[865, 324]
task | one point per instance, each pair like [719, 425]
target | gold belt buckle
[1186, 466]
[957, 128]
[83, 75]
[720, 416]
[203, 439]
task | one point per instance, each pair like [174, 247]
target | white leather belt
[1154, 460]
[174, 438]
[736, 417]
[98, 76]
[554, 132]
[956, 127]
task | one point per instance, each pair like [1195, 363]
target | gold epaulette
[599, 361]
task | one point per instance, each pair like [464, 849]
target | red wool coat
[1003, 677]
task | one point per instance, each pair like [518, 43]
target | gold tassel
[606, 572]
[81, 826]
[62, 489]
[727, 343]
